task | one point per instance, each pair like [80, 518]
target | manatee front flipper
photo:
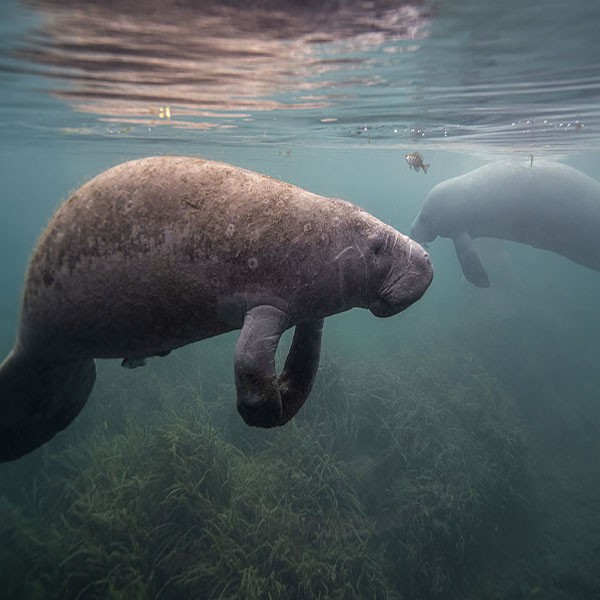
[263, 398]
[469, 260]
[298, 375]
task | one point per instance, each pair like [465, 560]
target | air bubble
[252, 263]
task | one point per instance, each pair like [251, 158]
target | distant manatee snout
[161, 252]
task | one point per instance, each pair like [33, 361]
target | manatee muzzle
[405, 283]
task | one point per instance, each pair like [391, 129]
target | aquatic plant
[173, 511]
[441, 465]
[437, 460]
[386, 485]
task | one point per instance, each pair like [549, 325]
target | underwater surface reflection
[496, 76]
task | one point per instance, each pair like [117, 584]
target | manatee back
[159, 252]
[547, 205]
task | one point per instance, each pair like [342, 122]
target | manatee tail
[425, 167]
[38, 399]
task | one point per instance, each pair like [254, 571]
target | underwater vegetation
[393, 482]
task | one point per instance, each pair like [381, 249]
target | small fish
[415, 161]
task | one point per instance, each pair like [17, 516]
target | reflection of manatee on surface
[216, 62]
[500, 300]
[546, 205]
[161, 252]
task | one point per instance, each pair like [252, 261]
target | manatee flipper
[133, 363]
[469, 260]
[38, 399]
[263, 398]
[301, 365]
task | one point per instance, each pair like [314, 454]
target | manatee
[545, 204]
[160, 252]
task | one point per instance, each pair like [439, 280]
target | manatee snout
[407, 280]
[421, 232]
[418, 275]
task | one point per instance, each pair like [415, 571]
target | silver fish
[415, 161]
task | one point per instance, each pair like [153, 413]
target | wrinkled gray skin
[161, 252]
[546, 205]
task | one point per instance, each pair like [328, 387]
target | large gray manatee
[545, 204]
[160, 252]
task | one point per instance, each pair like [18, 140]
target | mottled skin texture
[545, 204]
[161, 252]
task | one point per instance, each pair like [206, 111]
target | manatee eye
[377, 246]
